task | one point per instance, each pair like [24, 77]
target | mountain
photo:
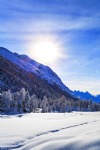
[26, 85]
[19, 71]
[86, 95]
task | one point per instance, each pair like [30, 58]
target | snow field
[51, 131]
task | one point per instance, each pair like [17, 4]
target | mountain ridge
[17, 74]
[32, 66]
[46, 74]
[86, 95]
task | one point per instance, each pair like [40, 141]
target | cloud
[74, 23]
[48, 16]
[48, 23]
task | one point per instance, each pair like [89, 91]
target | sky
[73, 24]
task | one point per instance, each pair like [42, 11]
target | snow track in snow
[56, 132]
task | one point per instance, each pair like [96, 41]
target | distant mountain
[19, 71]
[86, 95]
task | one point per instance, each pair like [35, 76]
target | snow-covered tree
[6, 99]
[27, 102]
[44, 104]
[33, 102]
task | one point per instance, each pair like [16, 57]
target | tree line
[22, 101]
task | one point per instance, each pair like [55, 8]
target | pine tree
[44, 104]
[22, 97]
[33, 102]
[27, 102]
[6, 99]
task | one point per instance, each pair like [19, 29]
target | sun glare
[46, 50]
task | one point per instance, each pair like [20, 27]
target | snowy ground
[52, 131]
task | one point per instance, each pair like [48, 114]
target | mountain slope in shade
[31, 66]
[15, 78]
[86, 95]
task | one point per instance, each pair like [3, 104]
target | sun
[46, 50]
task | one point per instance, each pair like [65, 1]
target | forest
[24, 102]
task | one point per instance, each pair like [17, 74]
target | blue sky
[74, 23]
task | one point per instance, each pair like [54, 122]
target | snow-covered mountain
[42, 72]
[86, 95]
[30, 65]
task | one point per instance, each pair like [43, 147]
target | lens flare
[46, 50]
